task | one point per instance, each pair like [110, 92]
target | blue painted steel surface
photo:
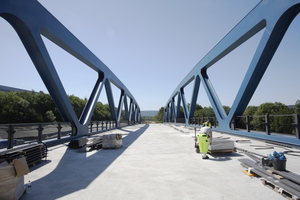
[31, 20]
[274, 16]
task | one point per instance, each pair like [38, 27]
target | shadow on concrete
[75, 171]
[39, 165]
[223, 156]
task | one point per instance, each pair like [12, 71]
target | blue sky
[151, 46]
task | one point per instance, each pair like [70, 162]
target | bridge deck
[156, 162]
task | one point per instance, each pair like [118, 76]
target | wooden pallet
[285, 193]
[221, 151]
[112, 147]
[276, 180]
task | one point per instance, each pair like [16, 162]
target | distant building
[11, 89]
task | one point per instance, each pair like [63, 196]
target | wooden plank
[222, 151]
[287, 174]
[274, 173]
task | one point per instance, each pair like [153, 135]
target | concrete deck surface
[156, 161]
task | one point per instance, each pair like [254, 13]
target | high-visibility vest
[207, 124]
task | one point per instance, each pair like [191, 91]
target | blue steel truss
[274, 16]
[31, 20]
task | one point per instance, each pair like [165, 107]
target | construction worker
[207, 123]
[203, 137]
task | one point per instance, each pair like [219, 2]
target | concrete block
[221, 144]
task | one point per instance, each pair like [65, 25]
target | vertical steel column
[40, 132]
[59, 127]
[267, 124]
[97, 125]
[91, 127]
[10, 132]
[297, 125]
[233, 123]
[248, 123]
[74, 131]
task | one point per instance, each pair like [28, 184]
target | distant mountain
[148, 113]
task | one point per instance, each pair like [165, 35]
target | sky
[151, 46]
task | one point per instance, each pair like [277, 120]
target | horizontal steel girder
[274, 16]
[31, 21]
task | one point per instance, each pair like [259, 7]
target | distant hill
[148, 113]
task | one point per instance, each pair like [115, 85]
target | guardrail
[238, 124]
[17, 134]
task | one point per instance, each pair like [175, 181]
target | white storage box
[11, 186]
[112, 141]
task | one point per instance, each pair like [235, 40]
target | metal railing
[17, 134]
[244, 123]
[267, 123]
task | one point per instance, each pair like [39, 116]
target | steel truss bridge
[274, 16]
[31, 21]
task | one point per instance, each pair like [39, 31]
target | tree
[250, 110]
[279, 124]
[77, 104]
[226, 109]
[43, 103]
[283, 124]
[101, 112]
[9, 108]
[160, 115]
[50, 116]
[297, 107]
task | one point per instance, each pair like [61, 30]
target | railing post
[233, 123]
[248, 123]
[267, 123]
[59, 127]
[40, 132]
[73, 129]
[102, 123]
[10, 132]
[97, 125]
[215, 122]
[297, 125]
[91, 127]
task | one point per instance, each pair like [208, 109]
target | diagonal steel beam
[273, 17]
[31, 21]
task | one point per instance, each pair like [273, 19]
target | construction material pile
[108, 141]
[272, 172]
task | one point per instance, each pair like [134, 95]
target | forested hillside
[32, 107]
[282, 117]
